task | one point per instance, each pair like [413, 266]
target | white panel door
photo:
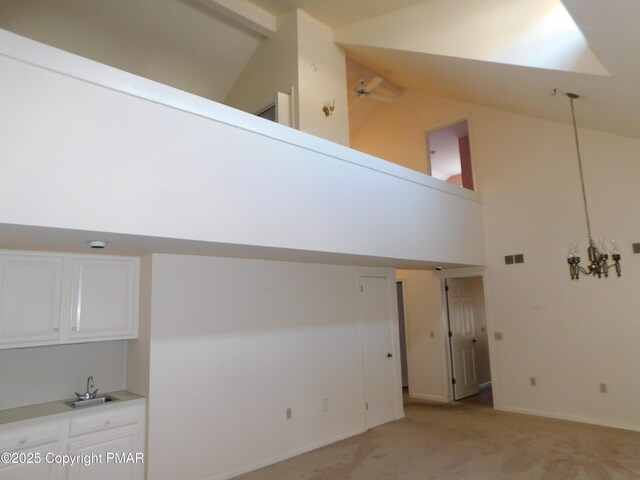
[379, 379]
[30, 297]
[462, 335]
[104, 298]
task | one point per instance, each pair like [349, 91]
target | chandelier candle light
[598, 253]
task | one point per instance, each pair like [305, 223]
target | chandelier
[598, 253]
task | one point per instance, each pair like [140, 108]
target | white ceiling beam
[246, 14]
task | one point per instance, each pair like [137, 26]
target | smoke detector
[97, 244]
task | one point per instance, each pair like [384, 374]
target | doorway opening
[403, 337]
[468, 341]
[449, 154]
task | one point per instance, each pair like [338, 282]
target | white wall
[159, 162]
[570, 335]
[234, 343]
[45, 374]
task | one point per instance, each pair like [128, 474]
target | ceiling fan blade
[381, 98]
[373, 84]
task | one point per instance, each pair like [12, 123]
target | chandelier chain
[584, 192]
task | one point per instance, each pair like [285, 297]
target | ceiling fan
[366, 91]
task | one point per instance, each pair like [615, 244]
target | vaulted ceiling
[472, 50]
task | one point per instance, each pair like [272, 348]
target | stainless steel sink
[99, 400]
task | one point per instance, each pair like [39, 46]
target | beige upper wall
[570, 335]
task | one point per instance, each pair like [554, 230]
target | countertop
[59, 409]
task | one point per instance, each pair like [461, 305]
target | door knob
[389, 355]
[474, 340]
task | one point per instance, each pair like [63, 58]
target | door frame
[407, 334]
[447, 372]
[442, 126]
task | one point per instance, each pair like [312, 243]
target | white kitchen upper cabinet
[57, 298]
[30, 299]
[104, 301]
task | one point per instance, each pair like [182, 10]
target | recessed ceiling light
[97, 244]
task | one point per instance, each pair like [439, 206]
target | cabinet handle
[108, 422]
[23, 441]
[56, 329]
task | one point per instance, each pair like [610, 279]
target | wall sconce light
[329, 107]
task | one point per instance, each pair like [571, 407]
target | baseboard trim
[433, 398]
[571, 418]
[482, 386]
[285, 456]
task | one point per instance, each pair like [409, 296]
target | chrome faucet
[88, 395]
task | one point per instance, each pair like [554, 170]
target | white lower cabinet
[31, 464]
[24, 451]
[105, 443]
[117, 451]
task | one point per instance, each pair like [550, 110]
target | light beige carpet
[468, 441]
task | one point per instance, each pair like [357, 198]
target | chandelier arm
[584, 191]
[583, 270]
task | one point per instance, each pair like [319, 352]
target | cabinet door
[110, 453]
[29, 447]
[104, 299]
[32, 467]
[30, 296]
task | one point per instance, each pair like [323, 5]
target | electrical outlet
[289, 414]
[532, 381]
[325, 404]
[497, 335]
[603, 388]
